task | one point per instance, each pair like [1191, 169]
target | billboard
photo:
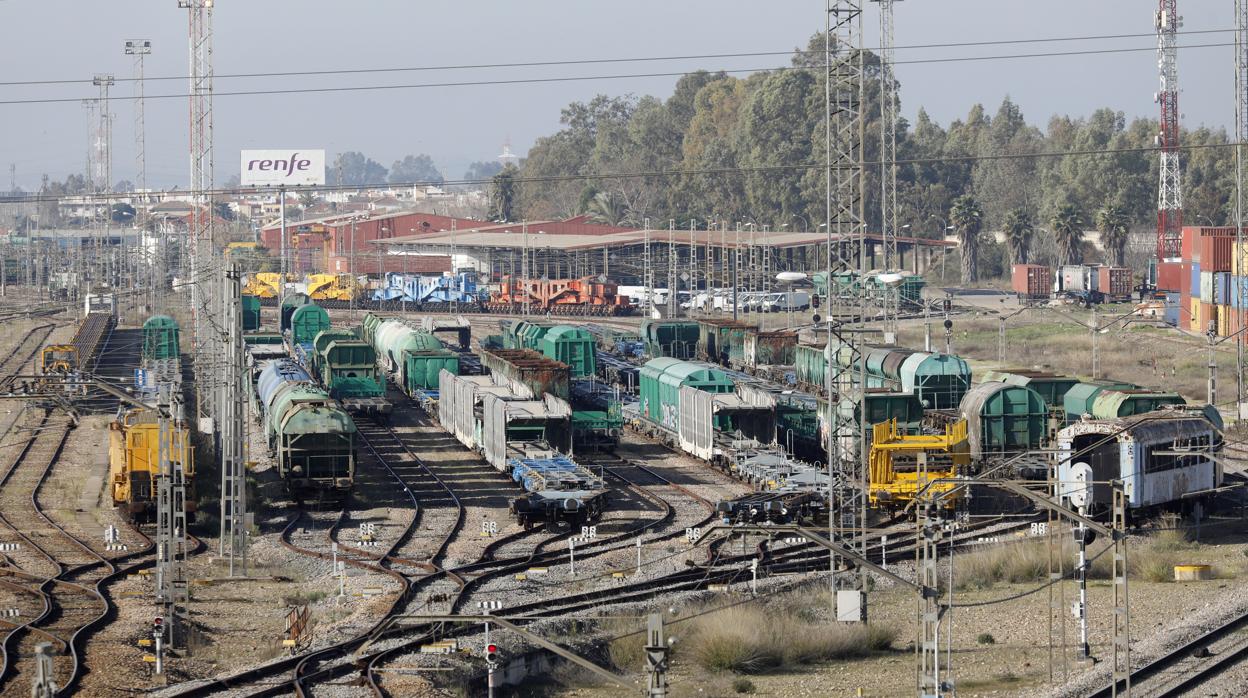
[277, 168]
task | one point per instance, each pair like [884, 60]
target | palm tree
[968, 219]
[607, 209]
[1018, 232]
[1068, 225]
[1111, 220]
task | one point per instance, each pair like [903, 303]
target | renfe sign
[275, 168]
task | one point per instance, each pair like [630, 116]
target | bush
[986, 639]
[750, 640]
[302, 598]
[743, 685]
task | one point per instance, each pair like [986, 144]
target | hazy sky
[74, 39]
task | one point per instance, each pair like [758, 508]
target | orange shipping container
[1215, 253]
[1031, 280]
[1208, 317]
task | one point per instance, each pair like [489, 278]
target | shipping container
[1117, 283]
[1169, 275]
[1193, 322]
[1031, 281]
[1074, 278]
[1224, 320]
[1206, 293]
[1208, 317]
[1171, 314]
[1195, 288]
[1216, 253]
[1239, 262]
[251, 313]
[1221, 287]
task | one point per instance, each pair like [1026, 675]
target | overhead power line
[582, 78]
[34, 198]
[601, 61]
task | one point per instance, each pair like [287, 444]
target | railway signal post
[656, 657]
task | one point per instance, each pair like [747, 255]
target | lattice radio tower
[1170, 190]
[200, 230]
[843, 141]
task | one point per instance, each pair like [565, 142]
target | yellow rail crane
[265, 284]
[332, 287]
[902, 464]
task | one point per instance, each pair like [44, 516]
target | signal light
[491, 653]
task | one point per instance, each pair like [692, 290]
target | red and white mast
[1170, 190]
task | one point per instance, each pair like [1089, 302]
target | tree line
[747, 149]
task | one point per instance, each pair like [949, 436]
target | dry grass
[1149, 558]
[755, 639]
[1158, 357]
[751, 640]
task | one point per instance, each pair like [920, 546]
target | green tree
[353, 168]
[1067, 223]
[481, 171]
[1111, 221]
[1019, 230]
[607, 209]
[503, 195]
[968, 219]
[415, 168]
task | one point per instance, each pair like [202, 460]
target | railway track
[59, 578]
[1182, 670]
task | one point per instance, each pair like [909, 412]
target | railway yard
[383, 584]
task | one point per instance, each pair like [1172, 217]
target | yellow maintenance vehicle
[134, 461]
[902, 464]
[332, 287]
[58, 358]
[265, 284]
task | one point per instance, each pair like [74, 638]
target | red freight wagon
[1031, 281]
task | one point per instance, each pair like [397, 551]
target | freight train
[311, 436]
[695, 407]
[440, 293]
[527, 437]
[928, 400]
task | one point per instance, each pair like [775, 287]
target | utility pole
[1241, 134]
[1169, 190]
[844, 188]
[233, 540]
